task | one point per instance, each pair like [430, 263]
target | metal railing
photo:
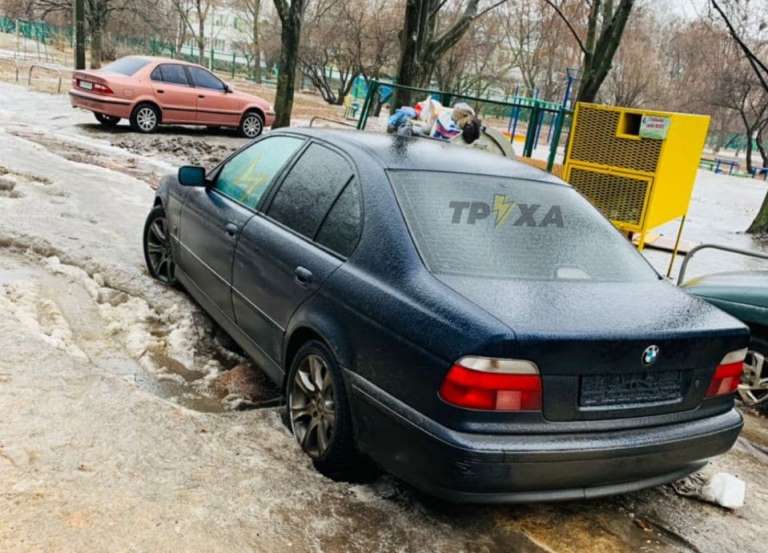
[728, 249]
[45, 68]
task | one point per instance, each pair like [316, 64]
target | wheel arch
[253, 108]
[150, 101]
[314, 327]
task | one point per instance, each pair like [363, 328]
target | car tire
[319, 415]
[108, 121]
[251, 125]
[145, 118]
[757, 398]
[158, 253]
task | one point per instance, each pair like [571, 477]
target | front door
[215, 106]
[213, 217]
[284, 257]
[174, 93]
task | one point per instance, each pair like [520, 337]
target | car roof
[160, 59]
[425, 154]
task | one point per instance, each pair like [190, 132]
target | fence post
[372, 89]
[530, 136]
[555, 138]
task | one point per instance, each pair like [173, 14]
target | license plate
[86, 85]
[628, 389]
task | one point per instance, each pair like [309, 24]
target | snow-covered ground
[120, 427]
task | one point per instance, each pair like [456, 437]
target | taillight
[727, 374]
[493, 384]
[102, 88]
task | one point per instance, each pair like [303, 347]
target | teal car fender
[743, 294]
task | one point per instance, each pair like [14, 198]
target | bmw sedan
[472, 325]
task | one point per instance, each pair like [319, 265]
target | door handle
[231, 229]
[303, 276]
[160, 91]
[200, 96]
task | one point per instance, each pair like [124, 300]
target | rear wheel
[252, 125]
[319, 414]
[157, 247]
[107, 120]
[145, 118]
[754, 383]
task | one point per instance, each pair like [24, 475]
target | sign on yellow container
[636, 166]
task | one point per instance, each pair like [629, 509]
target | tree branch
[568, 24]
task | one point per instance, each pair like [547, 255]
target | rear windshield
[510, 228]
[125, 66]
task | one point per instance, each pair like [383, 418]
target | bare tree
[252, 47]
[604, 28]
[194, 15]
[291, 14]
[423, 41]
[732, 14]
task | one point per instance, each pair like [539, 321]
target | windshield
[125, 66]
[502, 227]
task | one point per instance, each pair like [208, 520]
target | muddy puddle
[181, 357]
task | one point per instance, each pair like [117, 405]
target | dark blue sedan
[470, 324]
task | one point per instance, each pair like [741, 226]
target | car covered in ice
[470, 324]
[150, 91]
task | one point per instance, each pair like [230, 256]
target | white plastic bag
[724, 489]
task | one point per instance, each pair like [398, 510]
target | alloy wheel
[146, 119]
[159, 250]
[252, 125]
[312, 406]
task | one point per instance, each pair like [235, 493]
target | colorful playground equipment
[636, 166]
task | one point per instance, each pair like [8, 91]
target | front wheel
[319, 414]
[252, 125]
[108, 121]
[158, 254]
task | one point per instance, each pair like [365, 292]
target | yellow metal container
[637, 166]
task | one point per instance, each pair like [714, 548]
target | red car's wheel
[145, 118]
[252, 124]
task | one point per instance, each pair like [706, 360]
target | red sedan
[153, 91]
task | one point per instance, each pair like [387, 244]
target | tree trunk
[760, 224]
[79, 34]
[290, 36]
[200, 39]
[408, 68]
[256, 49]
[96, 37]
[760, 143]
[598, 59]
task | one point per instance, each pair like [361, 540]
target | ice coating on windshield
[501, 227]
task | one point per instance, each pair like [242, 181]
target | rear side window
[170, 73]
[246, 176]
[341, 228]
[500, 227]
[125, 66]
[310, 189]
[204, 79]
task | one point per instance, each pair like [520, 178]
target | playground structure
[636, 166]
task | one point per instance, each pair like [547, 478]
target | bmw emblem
[650, 355]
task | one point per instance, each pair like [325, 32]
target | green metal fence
[531, 111]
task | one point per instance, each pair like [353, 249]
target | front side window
[246, 176]
[502, 227]
[205, 79]
[170, 73]
[310, 189]
[125, 66]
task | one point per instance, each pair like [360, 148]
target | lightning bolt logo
[502, 207]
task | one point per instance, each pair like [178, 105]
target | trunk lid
[589, 340]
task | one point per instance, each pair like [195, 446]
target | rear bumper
[98, 104]
[482, 468]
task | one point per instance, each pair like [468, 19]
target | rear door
[215, 106]
[283, 257]
[174, 93]
[213, 217]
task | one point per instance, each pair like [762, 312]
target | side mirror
[227, 88]
[191, 175]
